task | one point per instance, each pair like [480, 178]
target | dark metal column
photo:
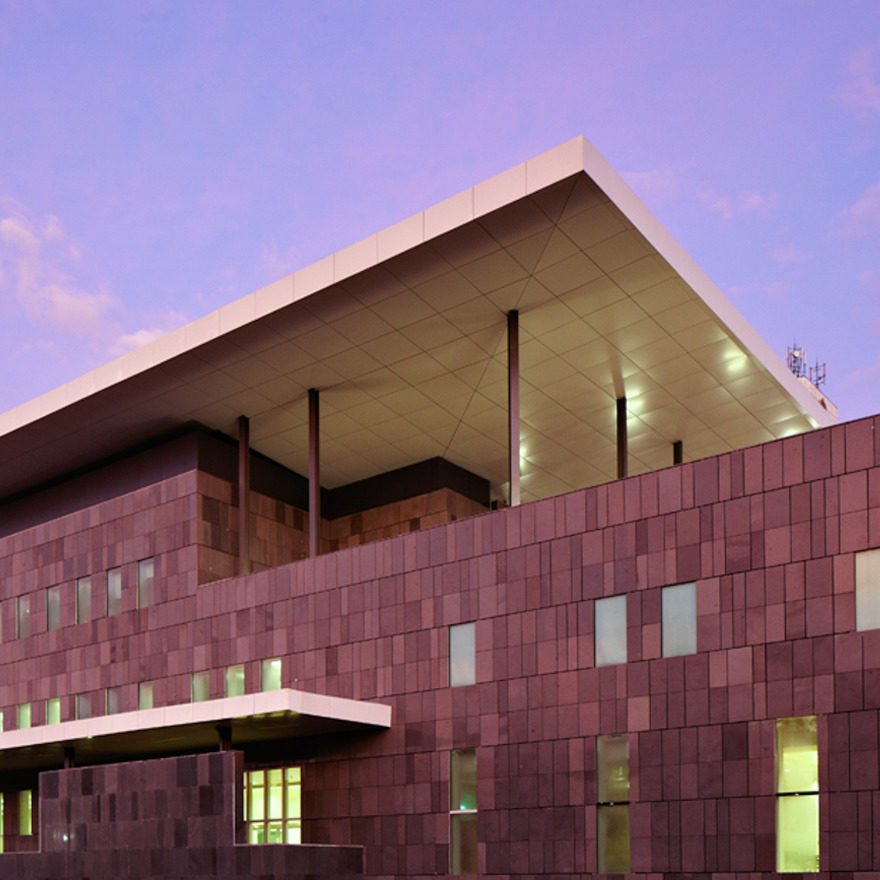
[314, 474]
[622, 462]
[244, 492]
[677, 452]
[513, 404]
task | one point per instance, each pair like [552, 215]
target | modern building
[497, 543]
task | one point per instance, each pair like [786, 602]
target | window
[234, 681]
[612, 811]
[26, 813]
[679, 620]
[113, 700]
[22, 617]
[114, 591]
[145, 695]
[145, 596]
[53, 608]
[83, 600]
[200, 687]
[83, 706]
[463, 812]
[53, 710]
[797, 795]
[868, 590]
[272, 805]
[23, 716]
[270, 675]
[462, 655]
[610, 630]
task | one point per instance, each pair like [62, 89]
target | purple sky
[160, 159]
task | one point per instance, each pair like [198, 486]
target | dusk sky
[161, 159]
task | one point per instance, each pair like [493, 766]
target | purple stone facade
[768, 534]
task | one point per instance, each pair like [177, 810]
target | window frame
[608, 807]
[463, 654]
[461, 817]
[257, 829]
[610, 646]
[674, 641]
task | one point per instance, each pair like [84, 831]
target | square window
[23, 716]
[462, 654]
[270, 674]
[868, 590]
[200, 687]
[145, 580]
[53, 710]
[114, 591]
[113, 700]
[83, 600]
[145, 695]
[234, 684]
[23, 617]
[272, 805]
[609, 627]
[83, 706]
[679, 620]
[53, 608]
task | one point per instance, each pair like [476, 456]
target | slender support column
[314, 474]
[69, 757]
[513, 403]
[677, 452]
[224, 737]
[244, 492]
[622, 462]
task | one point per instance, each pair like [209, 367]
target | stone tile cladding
[768, 534]
[171, 818]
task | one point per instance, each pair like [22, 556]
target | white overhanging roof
[404, 334]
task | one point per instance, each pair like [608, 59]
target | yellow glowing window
[463, 857]
[25, 813]
[273, 805]
[797, 795]
[612, 810]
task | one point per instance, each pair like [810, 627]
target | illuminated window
[679, 620]
[26, 813]
[23, 716]
[113, 700]
[797, 795]
[145, 579]
[53, 608]
[612, 811]
[463, 812]
[53, 710]
[234, 685]
[462, 655]
[145, 695]
[270, 674]
[22, 617]
[272, 805]
[200, 687]
[114, 591]
[83, 600]
[610, 630]
[83, 706]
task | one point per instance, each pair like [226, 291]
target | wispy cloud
[36, 262]
[727, 206]
[862, 92]
[862, 219]
[789, 254]
[161, 325]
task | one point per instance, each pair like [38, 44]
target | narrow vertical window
[53, 710]
[2, 820]
[463, 812]
[145, 695]
[797, 795]
[234, 685]
[83, 706]
[114, 591]
[612, 811]
[53, 608]
[679, 620]
[609, 627]
[270, 674]
[113, 700]
[273, 805]
[23, 617]
[200, 687]
[25, 813]
[23, 716]
[83, 600]
[462, 654]
[145, 578]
